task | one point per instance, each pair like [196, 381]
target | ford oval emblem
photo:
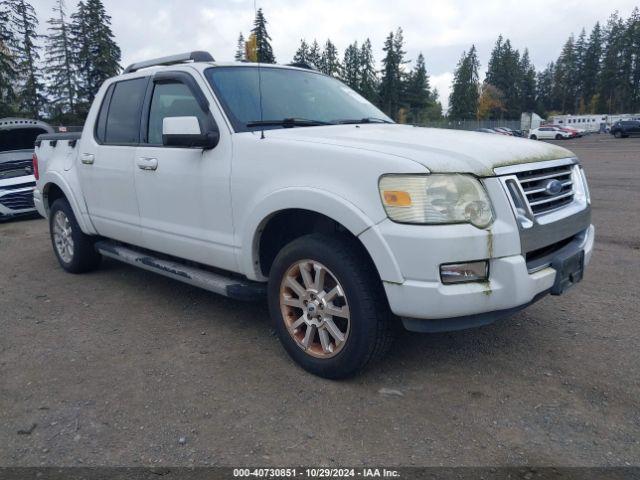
[553, 187]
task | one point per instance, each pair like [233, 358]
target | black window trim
[174, 76]
[108, 97]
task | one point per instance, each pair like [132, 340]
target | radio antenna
[255, 10]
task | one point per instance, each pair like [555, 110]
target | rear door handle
[147, 163]
[87, 158]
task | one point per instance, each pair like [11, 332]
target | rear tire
[533, 137]
[307, 323]
[618, 134]
[74, 249]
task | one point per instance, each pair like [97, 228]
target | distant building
[591, 122]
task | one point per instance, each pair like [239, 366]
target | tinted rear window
[19, 139]
[123, 119]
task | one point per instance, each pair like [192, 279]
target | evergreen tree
[528, 83]
[264, 52]
[59, 65]
[418, 91]
[367, 78]
[315, 57]
[329, 62]
[630, 70]
[8, 66]
[591, 65]
[463, 101]
[565, 81]
[302, 54]
[392, 87]
[506, 75]
[96, 54]
[580, 50]
[434, 110]
[29, 84]
[241, 49]
[351, 72]
[609, 92]
[544, 89]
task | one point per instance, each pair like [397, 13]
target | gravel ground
[124, 367]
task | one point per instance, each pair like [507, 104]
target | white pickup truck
[262, 180]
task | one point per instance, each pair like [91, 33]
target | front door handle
[87, 158]
[147, 163]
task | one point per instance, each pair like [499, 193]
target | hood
[439, 150]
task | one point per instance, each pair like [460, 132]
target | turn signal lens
[396, 198]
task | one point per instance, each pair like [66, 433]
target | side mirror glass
[186, 132]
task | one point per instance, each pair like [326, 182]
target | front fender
[319, 201]
[78, 206]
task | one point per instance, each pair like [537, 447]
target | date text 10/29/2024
[315, 473]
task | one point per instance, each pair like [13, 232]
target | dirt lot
[123, 367]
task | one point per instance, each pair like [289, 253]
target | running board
[228, 286]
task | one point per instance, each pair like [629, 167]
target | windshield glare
[286, 94]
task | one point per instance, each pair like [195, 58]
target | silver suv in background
[17, 141]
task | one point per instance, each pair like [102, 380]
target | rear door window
[123, 119]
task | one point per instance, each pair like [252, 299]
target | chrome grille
[534, 183]
[18, 200]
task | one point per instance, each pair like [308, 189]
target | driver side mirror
[186, 132]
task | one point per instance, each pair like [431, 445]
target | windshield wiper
[287, 123]
[363, 120]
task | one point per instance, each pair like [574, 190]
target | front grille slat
[17, 201]
[550, 199]
[534, 185]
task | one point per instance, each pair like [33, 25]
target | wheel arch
[54, 187]
[314, 211]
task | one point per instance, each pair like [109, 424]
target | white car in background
[546, 133]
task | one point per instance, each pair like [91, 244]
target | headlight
[435, 199]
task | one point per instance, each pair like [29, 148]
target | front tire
[559, 137]
[618, 134]
[328, 305]
[74, 249]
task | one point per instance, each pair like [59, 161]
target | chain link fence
[472, 124]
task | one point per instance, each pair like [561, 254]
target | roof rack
[197, 56]
[308, 66]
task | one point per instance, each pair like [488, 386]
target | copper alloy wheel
[315, 309]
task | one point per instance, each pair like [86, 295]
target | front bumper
[434, 307]
[16, 197]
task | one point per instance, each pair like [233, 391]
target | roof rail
[197, 56]
[308, 66]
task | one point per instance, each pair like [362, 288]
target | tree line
[80, 53]
[598, 73]
[57, 75]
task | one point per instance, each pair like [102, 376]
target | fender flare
[325, 203]
[77, 206]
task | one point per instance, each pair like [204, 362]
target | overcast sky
[440, 30]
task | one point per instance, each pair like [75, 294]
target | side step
[214, 282]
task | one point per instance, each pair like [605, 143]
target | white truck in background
[263, 180]
[17, 139]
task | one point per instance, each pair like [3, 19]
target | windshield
[287, 94]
